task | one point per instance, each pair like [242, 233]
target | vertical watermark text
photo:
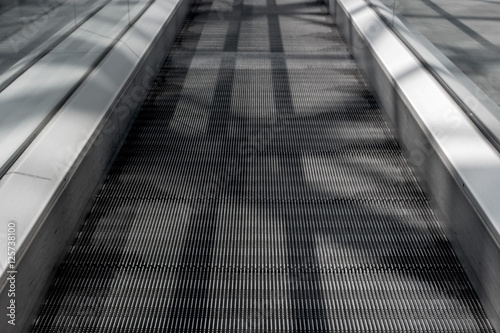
[11, 278]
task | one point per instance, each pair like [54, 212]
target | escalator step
[260, 190]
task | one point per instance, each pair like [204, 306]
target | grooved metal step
[260, 190]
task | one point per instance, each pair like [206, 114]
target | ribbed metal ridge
[260, 190]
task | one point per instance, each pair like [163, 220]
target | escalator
[260, 190]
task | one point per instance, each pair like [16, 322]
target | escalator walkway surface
[260, 190]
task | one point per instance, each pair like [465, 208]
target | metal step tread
[260, 190]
